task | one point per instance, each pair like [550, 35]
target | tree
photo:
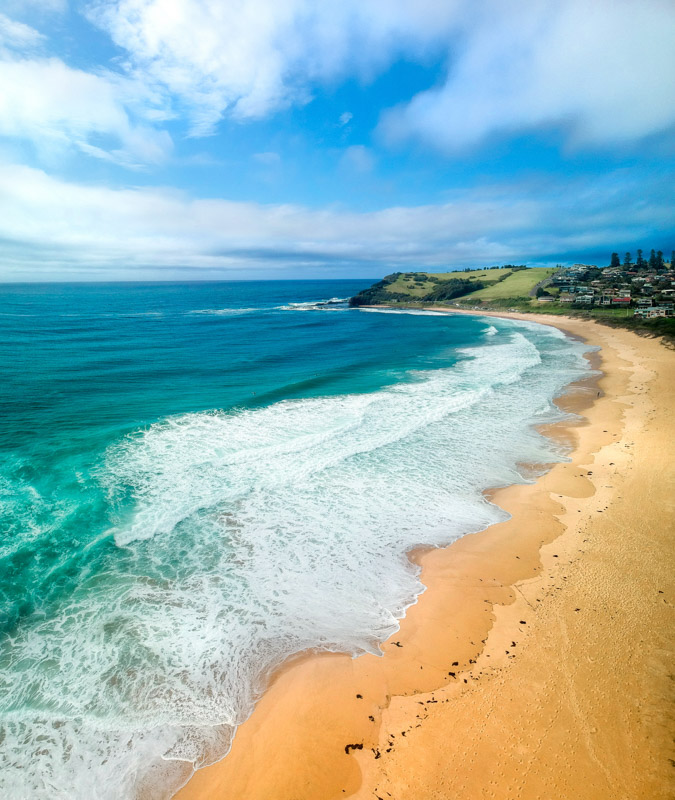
[672, 260]
[455, 287]
[652, 260]
[659, 259]
[640, 262]
[627, 263]
[615, 262]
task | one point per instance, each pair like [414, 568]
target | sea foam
[253, 534]
[332, 304]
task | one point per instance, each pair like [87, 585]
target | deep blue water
[123, 355]
[197, 480]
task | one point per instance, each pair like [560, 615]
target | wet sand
[536, 663]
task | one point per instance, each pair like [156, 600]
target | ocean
[198, 480]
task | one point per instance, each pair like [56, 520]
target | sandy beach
[536, 664]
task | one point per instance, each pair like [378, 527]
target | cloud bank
[600, 72]
[590, 76]
[250, 59]
[49, 225]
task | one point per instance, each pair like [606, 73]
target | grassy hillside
[517, 284]
[496, 289]
[419, 284]
[490, 285]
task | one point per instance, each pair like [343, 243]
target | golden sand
[536, 663]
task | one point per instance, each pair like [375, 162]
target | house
[567, 298]
[652, 313]
[621, 301]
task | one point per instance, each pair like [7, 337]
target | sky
[246, 139]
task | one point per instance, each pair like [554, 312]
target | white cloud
[17, 35]
[602, 72]
[51, 228]
[251, 58]
[56, 107]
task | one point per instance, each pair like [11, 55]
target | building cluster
[649, 292]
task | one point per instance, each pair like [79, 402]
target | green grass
[517, 284]
[531, 306]
[406, 284]
[514, 284]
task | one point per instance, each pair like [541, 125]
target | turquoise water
[198, 480]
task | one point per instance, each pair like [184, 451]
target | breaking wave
[243, 537]
[333, 304]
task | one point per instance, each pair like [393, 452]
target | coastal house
[621, 301]
[652, 313]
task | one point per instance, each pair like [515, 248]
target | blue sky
[210, 139]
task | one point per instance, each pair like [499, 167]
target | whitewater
[162, 556]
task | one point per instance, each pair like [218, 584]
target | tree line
[654, 262]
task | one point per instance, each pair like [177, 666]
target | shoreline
[332, 726]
